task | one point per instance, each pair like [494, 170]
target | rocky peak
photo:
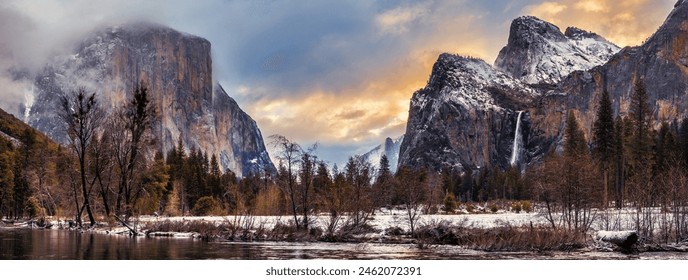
[177, 69]
[526, 30]
[538, 53]
[389, 148]
[464, 117]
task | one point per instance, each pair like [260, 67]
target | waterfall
[517, 140]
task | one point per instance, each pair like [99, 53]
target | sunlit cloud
[396, 21]
[340, 73]
[546, 10]
[626, 23]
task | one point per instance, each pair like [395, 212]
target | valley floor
[500, 231]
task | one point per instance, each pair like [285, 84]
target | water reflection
[23, 244]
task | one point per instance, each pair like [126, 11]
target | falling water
[517, 140]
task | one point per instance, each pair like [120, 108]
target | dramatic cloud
[626, 23]
[340, 73]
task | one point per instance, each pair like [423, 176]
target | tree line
[112, 168]
[632, 162]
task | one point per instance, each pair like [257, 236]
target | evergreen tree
[603, 139]
[6, 182]
[640, 114]
[321, 183]
[575, 144]
[214, 182]
[666, 147]
[384, 171]
[640, 148]
[683, 141]
[382, 189]
[619, 160]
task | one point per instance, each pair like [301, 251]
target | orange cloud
[377, 106]
[625, 23]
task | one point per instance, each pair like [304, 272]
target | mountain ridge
[442, 132]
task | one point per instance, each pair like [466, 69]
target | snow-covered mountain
[538, 52]
[390, 148]
[468, 113]
[177, 69]
[466, 116]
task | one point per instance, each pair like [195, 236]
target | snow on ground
[612, 220]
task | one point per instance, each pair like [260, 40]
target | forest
[111, 170]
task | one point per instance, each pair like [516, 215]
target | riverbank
[504, 231]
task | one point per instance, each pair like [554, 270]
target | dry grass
[504, 238]
[206, 230]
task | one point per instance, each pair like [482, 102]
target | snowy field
[610, 220]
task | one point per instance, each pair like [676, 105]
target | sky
[339, 73]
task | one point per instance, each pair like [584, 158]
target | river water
[26, 244]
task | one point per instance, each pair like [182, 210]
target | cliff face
[177, 69]
[538, 52]
[661, 62]
[468, 118]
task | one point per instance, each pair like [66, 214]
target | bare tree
[83, 116]
[132, 136]
[307, 174]
[358, 175]
[411, 192]
[288, 153]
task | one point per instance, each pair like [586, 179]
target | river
[27, 244]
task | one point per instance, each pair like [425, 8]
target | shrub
[450, 203]
[205, 205]
[470, 208]
[33, 208]
[527, 206]
[516, 206]
[494, 208]
[394, 231]
[432, 210]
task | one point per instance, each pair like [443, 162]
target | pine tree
[6, 182]
[666, 147]
[603, 139]
[683, 139]
[619, 160]
[214, 177]
[641, 117]
[575, 144]
[640, 149]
